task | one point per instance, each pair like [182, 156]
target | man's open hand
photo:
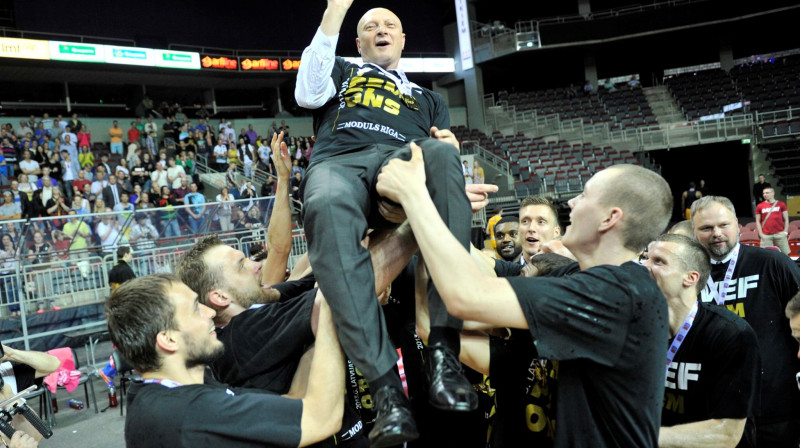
[478, 195]
[445, 135]
[280, 156]
[399, 177]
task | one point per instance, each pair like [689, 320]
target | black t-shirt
[759, 289]
[505, 268]
[368, 109]
[526, 393]
[209, 415]
[263, 345]
[606, 326]
[293, 288]
[715, 373]
[120, 273]
[526, 384]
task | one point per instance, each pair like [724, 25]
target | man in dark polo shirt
[605, 325]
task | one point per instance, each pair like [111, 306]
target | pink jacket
[66, 375]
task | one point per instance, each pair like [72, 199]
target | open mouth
[382, 44]
[531, 240]
[507, 247]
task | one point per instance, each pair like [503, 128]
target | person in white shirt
[174, 174]
[224, 209]
[221, 155]
[264, 153]
[158, 179]
[108, 229]
[30, 167]
[123, 166]
[99, 183]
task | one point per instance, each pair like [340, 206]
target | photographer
[21, 369]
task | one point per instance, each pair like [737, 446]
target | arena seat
[749, 238]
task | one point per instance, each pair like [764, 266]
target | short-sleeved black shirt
[526, 393]
[263, 345]
[368, 109]
[606, 326]
[209, 415]
[760, 287]
[716, 372]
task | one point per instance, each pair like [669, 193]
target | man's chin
[207, 358]
[531, 251]
[509, 256]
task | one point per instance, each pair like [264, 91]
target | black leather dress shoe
[449, 389]
[394, 423]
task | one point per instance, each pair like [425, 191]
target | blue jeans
[116, 148]
[8, 285]
[171, 227]
[195, 223]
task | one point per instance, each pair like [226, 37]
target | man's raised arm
[314, 86]
[279, 232]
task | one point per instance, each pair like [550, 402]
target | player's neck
[605, 254]
[177, 371]
[679, 308]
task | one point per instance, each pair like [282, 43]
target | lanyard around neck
[681, 336]
[719, 296]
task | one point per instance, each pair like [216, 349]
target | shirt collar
[727, 257]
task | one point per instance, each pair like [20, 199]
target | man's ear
[358, 45]
[218, 300]
[167, 341]
[613, 218]
[557, 231]
[690, 279]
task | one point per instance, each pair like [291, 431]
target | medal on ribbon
[410, 101]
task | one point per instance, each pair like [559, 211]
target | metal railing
[471, 147]
[30, 285]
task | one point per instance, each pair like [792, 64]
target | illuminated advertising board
[77, 52]
[24, 48]
[129, 55]
[177, 59]
[290, 64]
[209, 62]
[260, 65]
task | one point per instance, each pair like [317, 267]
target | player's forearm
[279, 237]
[43, 363]
[715, 433]
[323, 403]
[391, 255]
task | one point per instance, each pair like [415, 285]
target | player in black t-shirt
[266, 334]
[365, 115]
[606, 325]
[758, 289]
[713, 372]
[160, 327]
